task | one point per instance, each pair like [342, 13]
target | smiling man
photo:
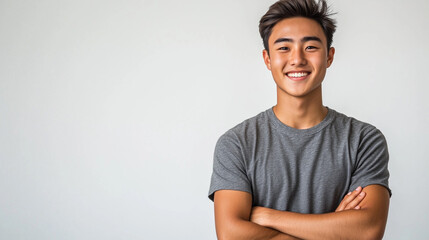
[300, 170]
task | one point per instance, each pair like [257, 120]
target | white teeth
[296, 74]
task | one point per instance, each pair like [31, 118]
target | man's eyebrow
[304, 39]
[311, 38]
[283, 40]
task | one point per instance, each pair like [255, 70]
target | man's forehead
[297, 28]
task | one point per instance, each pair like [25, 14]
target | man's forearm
[366, 223]
[242, 229]
[350, 224]
[232, 218]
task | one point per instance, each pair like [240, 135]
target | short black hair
[282, 9]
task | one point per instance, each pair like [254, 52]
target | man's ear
[331, 54]
[267, 60]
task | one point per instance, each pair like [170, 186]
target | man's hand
[260, 215]
[351, 200]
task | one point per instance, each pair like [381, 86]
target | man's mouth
[297, 74]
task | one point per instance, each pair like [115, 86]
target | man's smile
[297, 75]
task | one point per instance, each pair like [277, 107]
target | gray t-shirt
[307, 170]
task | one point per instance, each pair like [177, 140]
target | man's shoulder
[355, 126]
[249, 126]
[343, 119]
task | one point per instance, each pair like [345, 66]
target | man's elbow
[221, 235]
[228, 233]
[228, 230]
[226, 236]
[375, 232]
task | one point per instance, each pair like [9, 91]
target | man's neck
[300, 112]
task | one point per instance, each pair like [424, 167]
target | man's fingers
[351, 200]
[355, 203]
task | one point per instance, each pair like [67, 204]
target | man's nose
[297, 58]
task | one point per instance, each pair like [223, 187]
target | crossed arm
[357, 217]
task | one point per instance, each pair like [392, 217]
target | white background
[110, 110]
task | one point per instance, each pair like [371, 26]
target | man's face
[298, 56]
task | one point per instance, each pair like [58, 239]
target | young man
[300, 170]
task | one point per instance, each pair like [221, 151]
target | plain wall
[110, 110]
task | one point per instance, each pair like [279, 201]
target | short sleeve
[229, 168]
[372, 161]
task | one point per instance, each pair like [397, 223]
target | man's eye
[311, 47]
[284, 48]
